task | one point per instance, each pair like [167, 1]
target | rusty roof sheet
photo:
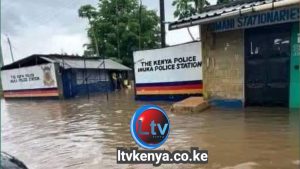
[217, 10]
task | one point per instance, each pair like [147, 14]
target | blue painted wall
[72, 88]
[100, 87]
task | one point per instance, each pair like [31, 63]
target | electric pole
[1, 64]
[140, 23]
[1, 57]
[11, 52]
[162, 23]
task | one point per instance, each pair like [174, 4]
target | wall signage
[256, 19]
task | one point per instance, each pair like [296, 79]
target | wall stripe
[193, 87]
[169, 83]
[197, 91]
[32, 93]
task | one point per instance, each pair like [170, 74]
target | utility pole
[85, 77]
[1, 57]
[162, 23]
[1, 64]
[140, 23]
[11, 52]
[199, 8]
[117, 26]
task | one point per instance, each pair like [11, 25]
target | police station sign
[171, 64]
[256, 19]
[33, 77]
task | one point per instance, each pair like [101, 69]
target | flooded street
[84, 134]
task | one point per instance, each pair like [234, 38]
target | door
[267, 65]
[67, 80]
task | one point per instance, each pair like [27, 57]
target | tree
[188, 8]
[117, 28]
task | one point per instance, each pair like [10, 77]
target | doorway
[267, 65]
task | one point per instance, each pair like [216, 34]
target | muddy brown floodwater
[84, 134]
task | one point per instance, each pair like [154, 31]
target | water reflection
[83, 133]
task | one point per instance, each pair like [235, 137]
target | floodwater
[84, 134]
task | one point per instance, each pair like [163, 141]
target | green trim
[295, 73]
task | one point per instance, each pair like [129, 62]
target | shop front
[250, 53]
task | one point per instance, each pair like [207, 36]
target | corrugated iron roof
[88, 63]
[214, 11]
[67, 62]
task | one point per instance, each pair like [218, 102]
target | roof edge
[239, 10]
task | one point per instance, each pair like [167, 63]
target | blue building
[60, 76]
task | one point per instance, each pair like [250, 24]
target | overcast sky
[53, 26]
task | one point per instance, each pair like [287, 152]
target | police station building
[250, 52]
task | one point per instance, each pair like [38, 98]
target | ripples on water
[81, 133]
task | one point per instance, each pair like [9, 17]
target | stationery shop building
[250, 52]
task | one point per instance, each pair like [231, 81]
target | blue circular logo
[150, 126]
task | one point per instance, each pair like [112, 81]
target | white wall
[171, 64]
[33, 77]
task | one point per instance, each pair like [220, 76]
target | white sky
[53, 26]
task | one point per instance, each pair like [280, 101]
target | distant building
[59, 76]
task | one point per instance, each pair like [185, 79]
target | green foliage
[187, 8]
[116, 26]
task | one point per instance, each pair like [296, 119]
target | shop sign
[256, 19]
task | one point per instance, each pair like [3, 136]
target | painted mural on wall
[48, 76]
[169, 71]
[33, 81]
